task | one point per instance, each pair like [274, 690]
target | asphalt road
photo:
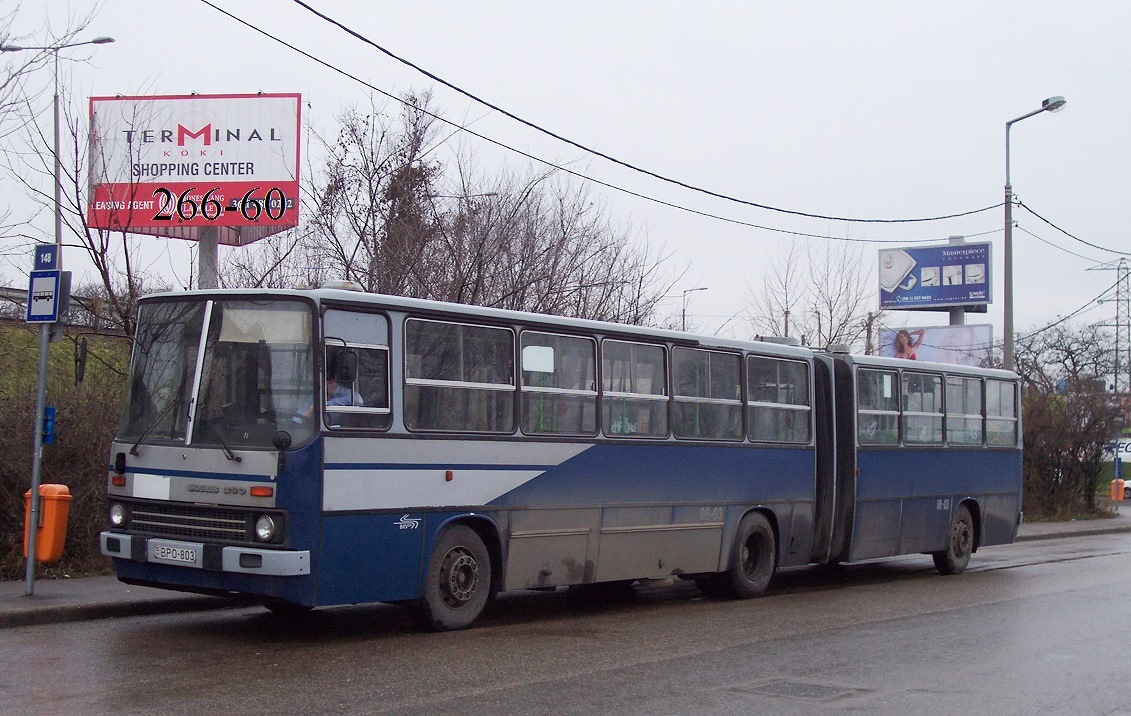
[1032, 628]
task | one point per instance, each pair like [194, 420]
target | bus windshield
[251, 376]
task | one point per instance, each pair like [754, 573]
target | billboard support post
[958, 313]
[208, 260]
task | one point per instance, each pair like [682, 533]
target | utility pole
[1122, 316]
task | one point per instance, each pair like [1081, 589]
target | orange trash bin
[54, 506]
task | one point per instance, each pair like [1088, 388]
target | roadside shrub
[86, 420]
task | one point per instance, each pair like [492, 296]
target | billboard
[1119, 448]
[179, 166]
[961, 345]
[927, 277]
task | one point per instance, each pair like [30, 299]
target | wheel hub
[462, 577]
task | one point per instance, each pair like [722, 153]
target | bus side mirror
[346, 367]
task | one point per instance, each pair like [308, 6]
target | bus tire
[959, 545]
[753, 557]
[458, 580]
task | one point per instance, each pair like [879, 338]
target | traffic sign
[46, 257]
[43, 296]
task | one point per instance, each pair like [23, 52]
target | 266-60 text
[186, 207]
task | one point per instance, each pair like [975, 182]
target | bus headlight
[265, 528]
[117, 515]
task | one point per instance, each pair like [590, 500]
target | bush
[1065, 435]
[86, 420]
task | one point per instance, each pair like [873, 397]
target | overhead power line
[566, 170]
[1057, 246]
[1071, 236]
[1070, 316]
[614, 160]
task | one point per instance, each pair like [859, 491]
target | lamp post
[1052, 104]
[683, 319]
[44, 329]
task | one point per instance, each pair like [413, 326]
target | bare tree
[384, 213]
[372, 216]
[22, 89]
[19, 94]
[1068, 416]
[123, 274]
[821, 294]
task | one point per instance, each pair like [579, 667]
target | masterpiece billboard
[929, 277]
[178, 166]
[961, 345]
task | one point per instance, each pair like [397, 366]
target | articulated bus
[307, 448]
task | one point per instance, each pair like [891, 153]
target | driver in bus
[341, 394]
[336, 394]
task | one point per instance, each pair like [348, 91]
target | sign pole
[43, 308]
[37, 457]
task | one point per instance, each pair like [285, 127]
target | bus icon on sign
[43, 297]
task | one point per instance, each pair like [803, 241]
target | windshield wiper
[149, 428]
[224, 446]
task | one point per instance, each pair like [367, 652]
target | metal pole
[208, 260]
[683, 319]
[1007, 326]
[958, 313]
[37, 459]
[1052, 104]
[44, 349]
[58, 171]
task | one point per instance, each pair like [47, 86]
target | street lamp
[683, 321]
[1052, 104]
[44, 330]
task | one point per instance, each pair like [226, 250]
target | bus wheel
[959, 544]
[754, 558]
[458, 581]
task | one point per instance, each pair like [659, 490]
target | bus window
[559, 384]
[161, 377]
[1001, 414]
[963, 411]
[707, 395]
[361, 340]
[256, 372]
[458, 377]
[922, 409]
[634, 403]
[877, 407]
[777, 400]
[364, 401]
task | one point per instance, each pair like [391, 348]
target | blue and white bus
[321, 447]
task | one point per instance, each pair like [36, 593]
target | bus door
[844, 434]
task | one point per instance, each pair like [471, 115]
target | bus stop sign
[43, 297]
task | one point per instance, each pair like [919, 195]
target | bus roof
[546, 321]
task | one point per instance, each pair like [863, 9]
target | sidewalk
[66, 600]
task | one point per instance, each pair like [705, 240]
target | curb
[63, 613]
[1081, 533]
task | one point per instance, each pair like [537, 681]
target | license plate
[174, 554]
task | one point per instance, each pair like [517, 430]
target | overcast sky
[881, 110]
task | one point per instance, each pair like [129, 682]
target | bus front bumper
[199, 555]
